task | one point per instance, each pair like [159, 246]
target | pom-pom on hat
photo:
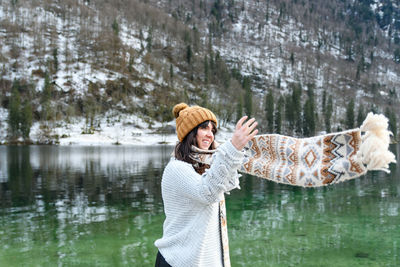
[187, 118]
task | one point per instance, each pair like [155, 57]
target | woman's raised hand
[244, 132]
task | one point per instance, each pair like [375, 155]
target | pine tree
[26, 120]
[391, 115]
[289, 112]
[141, 35]
[393, 125]
[314, 113]
[358, 72]
[55, 59]
[46, 97]
[349, 52]
[46, 92]
[171, 73]
[149, 40]
[130, 65]
[217, 10]
[350, 115]
[328, 114]
[115, 27]
[269, 108]
[278, 115]
[248, 98]
[206, 70]
[211, 65]
[292, 58]
[309, 115]
[239, 109]
[14, 111]
[360, 115]
[296, 102]
[188, 54]
[306, 118]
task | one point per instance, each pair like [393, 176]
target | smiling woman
[195, 228]
[202, 136]
[205, 135]
[188, 122]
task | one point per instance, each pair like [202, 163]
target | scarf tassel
[374, 149]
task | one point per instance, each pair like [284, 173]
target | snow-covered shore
[110, 129]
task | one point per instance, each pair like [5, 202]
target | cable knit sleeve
[221, 177]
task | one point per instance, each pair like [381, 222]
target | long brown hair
[183, 149]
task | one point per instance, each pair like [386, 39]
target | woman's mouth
[206, 142]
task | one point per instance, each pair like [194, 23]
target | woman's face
[205, 136]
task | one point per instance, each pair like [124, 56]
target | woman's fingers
[252, 126]
[249, 122]
[253, 134]
[239, 124]
[244, 132]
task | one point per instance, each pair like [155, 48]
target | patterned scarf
[311, 162]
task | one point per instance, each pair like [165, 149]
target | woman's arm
[222, 176]
[207, 188]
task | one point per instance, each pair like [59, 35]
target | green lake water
[102, 206]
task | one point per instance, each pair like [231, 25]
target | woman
[194, 231]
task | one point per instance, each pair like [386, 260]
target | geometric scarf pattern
[307, 162]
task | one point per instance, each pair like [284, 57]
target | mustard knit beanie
[187, 118]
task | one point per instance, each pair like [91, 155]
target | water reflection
[103, 206]
[79, 175]
[57, 201]
[80, 186]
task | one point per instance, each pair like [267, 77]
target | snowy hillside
[114, 70]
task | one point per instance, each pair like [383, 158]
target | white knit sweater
[191, 229]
